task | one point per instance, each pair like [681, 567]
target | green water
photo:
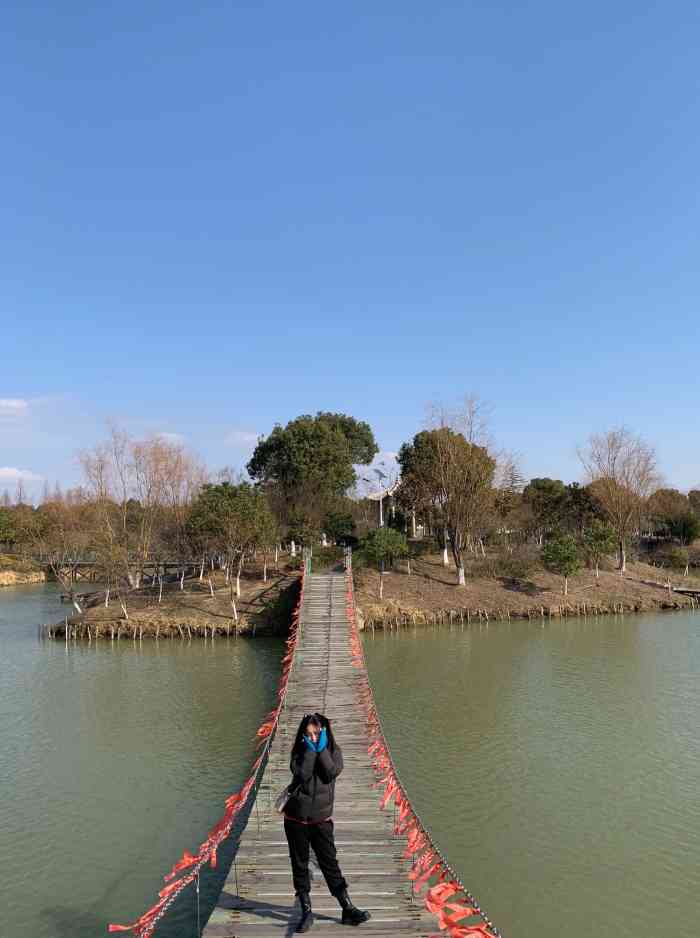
[558, 765]
[113, 759]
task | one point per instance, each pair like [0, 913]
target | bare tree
[141, 489]
[622, 471]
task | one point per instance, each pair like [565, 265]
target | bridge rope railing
[189, 866]
[447, 897]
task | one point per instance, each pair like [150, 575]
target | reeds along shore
[465, 616]
[138, 630]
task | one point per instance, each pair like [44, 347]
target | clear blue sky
[216, 216]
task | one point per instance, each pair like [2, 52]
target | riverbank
[19, 573]
[201, 609]
[428, 596]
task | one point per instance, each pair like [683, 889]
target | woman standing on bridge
[315, 764]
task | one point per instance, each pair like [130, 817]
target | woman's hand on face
[322, 740]
[310, 744]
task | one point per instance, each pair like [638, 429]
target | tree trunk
[182, 580]
[265, 569]
[211, 588]
[107, 598]
[413, 523]
[276, 557]
[381, 580]
[597, 570]
[408, 565]
[623, 557]
[292, 549]
[238, 576]
[233, 606]
[160, 591]
[201, 570]
[566, 586]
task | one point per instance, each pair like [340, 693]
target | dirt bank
[263, 608]
[17, 578]
[428, 595]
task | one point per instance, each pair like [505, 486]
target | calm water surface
[559, 765]
[113, 759]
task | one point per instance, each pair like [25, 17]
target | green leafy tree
[560, 555]
[666, 510]
[310, 463]
[234, 519]
[579, 509]
[453, 478]
[382, 546]
[339, 525]
[678, 559]
[598, 541]
[8, 533]
[686, 528]
[546, 499]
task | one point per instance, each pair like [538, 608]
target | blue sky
[218, 216]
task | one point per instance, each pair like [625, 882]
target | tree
[140, 490]
[339, 525]
[234, 519]
[8, 533]
[508, 491]
[622, 472]
[454, 476]
[309, 463]
[694, 499]
[546, 499]
[686, 528]
[560, 555]
[382, 546]
[580, 508]
[60, 534]
[598, 542]
[665, 508]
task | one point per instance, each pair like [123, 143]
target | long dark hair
[323, 722]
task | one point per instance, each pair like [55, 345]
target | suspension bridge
[392, 864]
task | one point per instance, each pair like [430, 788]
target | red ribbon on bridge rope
[447, 898]
[190, 864]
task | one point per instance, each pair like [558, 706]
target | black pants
[320, 837]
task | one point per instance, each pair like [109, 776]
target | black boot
[351, 915]
[307, 916]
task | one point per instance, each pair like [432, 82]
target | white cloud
[243, 439]
[10, 474]
[13, 407]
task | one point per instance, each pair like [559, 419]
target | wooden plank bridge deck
[258, 899]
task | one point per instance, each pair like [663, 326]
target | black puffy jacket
[314, 778]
